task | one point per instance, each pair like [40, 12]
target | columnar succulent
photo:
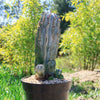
[46, 44]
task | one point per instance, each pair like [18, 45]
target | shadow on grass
[78, 89]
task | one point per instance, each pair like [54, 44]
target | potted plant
[48, 83]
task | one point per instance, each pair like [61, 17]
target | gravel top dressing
[33, 80]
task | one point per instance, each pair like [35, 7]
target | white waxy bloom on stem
[40, 69]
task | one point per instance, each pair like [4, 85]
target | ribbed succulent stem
[47, 40]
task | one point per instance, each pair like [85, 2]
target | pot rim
[67, 81]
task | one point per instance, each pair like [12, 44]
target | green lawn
[11, 87]
[86, 90]
[64, 64]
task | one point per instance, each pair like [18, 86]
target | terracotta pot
[46, 91]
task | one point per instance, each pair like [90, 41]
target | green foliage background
[17, 40]
[82, 40]
[61, 7]
[81, 43]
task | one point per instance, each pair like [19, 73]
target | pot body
[47, 91]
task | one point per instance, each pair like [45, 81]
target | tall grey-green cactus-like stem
[47, 41]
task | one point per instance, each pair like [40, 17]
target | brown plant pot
[46, 91]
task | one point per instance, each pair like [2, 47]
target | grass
[64, 64]
[11, 87]
[85, 89]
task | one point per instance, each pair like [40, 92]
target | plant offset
[46, 47]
